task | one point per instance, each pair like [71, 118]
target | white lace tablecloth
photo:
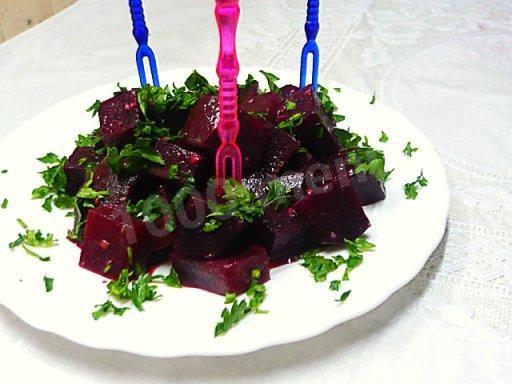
[445, 64]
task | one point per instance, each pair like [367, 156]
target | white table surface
[445, 64]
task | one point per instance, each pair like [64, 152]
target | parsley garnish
[335, 285]
[4, 171]
[374, 99]
[344, 296]
[271, 80]
[137, 291]
[33, 239]
[318, 265]
[290, 105]
[239, 203]
[248, 82]
[56, 182]
[48, 283]
[150, 209]
[409, 150]
[277, 195]
[383, 137]
[293, 121]
[94, 108]
[106, 308]
[361, 155]
[411, 189]
[5, 204]
[174, 172]
[89, 140]
[136, 156]
[241, 309]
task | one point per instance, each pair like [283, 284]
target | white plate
[406, 232]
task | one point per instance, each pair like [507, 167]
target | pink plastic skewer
[227, 13]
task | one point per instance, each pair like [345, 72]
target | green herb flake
[409, 150]
[174, 172]
[48, 283]
[149, 209]
[344, 296]
[374, 99]
[290, 105]
[411, 189]
[33, 239]
[171, 279]
[5, 204]
[271, 80]
[89, 140]
[4, 171]
[318, 265]
[383, 137]
[277, 195]
[239, 203]
[293, 121]
[106, 308]
[335, 285]
[240, 309]
[94, 108]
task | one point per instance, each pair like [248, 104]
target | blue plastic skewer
[311, 47]
[141, 34]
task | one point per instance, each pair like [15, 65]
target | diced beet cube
[333, 211]
[191, 240]
[200, 130]
[76, 167]
[245, 93]
[288, 90]
[252, 140]
[264, 105]
[281, 147]
[230, 274]
[120, 188]
[189, 163]
[316, 130]
[300, 162]
[281, 232]
[113, 240]
[369, 189]
[118, 117]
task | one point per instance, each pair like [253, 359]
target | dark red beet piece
[161, 237]
[200, 131]
[316, 130]
[191, 240]
[264, 105]
[76, 165]
[281, 232]
[189, 163]
[230, 274]
[120, 188]
[288, 90]
[252, 140]
[281, 147]
[368, 188]
[332, 211]
[118, 117]
[113, 240]
[245, 93]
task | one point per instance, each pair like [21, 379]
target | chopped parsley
[383, 137]
[239, 203]
[271, 80]
[363, 156]
[318, 265]
[4, 171]
[137, 291]
[174, 172]
[133, 157]
[335, 285]
[249, 82]
[106, 308]
[293, 121]
[5, 203]
[409, 150]
[290, 105]
[411, 189]
[89, 140]
[240, 309]
[277, 195]
[374, 99]
[94, 108]
[54, 191]
[48, 283]
[150, 209]
[33, 239]
[344, 296]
